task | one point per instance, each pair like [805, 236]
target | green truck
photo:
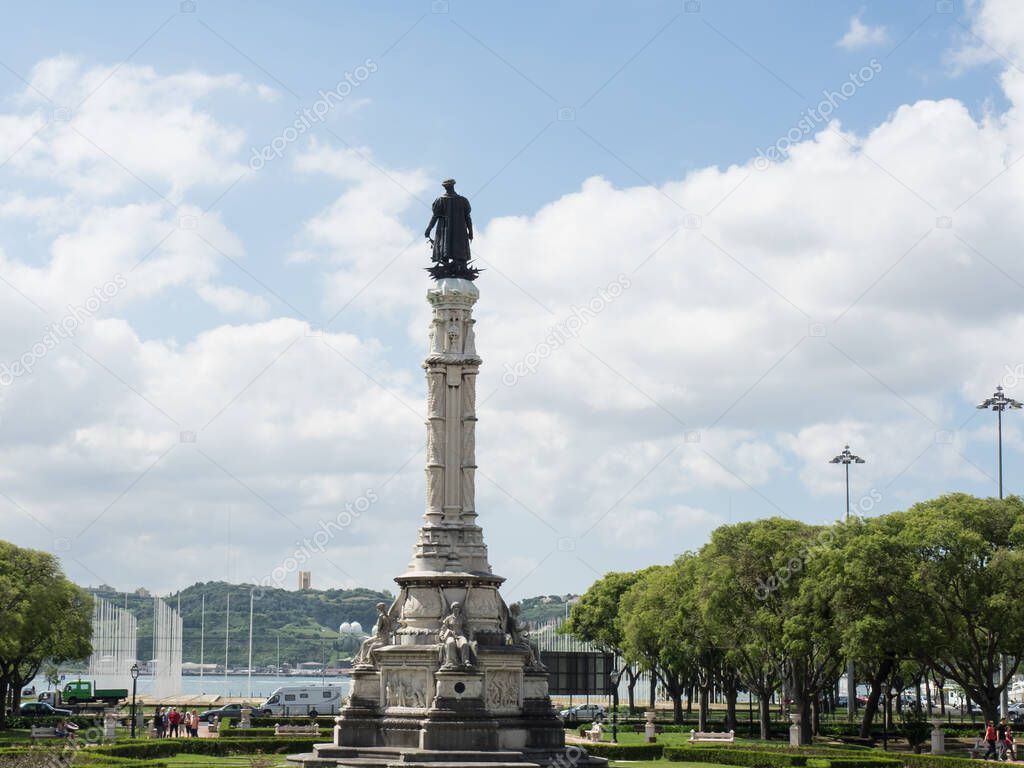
[86, 692]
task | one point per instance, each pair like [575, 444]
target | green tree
[750, 600]
[596, 618]
[959, 560]
[43, 618]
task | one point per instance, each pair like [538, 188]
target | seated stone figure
[518, 637]
[382, 632]
[455, 647]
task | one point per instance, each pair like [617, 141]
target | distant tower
[305, 579]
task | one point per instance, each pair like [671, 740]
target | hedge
[24, 723]
[265, 721]
[624, 751]
[247, 733]
[774, 758]
[149, 749]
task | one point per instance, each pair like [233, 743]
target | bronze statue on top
[450, 244]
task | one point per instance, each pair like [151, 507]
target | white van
[303, 700]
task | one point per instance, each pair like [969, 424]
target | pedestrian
[174, 718]
[1010, 750]
[195, 724]
[160, 722]
[1001, 736]
[990, 739]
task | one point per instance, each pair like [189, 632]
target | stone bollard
[246, 721]
[938, 738]
[795, 737]
[650, 733]
[109, 726]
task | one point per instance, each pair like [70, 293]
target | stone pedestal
[109, 726]
[795, 735]
[650, 731]
[246, 718]
[938, 738]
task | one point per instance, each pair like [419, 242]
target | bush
[224, 726]
[248, 733]
[773, 758]
[24, 723]
[625, 751]
[267, 721]
[150, 749]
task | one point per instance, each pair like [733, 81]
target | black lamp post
[999, 402]
[846, 459]
[135, 679]
[613, 679]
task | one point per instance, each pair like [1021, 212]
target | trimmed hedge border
[623, 751]
[751, 758]
[156, 748]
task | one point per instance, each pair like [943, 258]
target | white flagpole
[227, 630]
[202, 640]
[249, 694]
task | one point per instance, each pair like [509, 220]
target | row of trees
[777, 606]
[44, 618]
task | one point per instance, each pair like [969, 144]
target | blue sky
[772, 313]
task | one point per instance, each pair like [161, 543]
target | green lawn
[240, 761]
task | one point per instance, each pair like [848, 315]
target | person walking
[195, 724]
[1001, 738]
[174, 719]
[160, 722]
[1010, 749]
[990, 739]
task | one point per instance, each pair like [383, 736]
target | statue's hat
[448, 182]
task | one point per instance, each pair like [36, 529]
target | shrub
[150, 749]
[224, 726]
[625, 751]
[776, 758]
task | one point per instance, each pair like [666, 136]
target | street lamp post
[613, 679]
[846, 459]
[135, 679]
[999, 402]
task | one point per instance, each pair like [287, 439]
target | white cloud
[860, 35]
[821, 300]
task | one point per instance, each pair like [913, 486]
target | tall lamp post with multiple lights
[846, 459]
[999, 402]
[135, 679]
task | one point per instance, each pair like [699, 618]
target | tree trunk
[702, 713]
[730, 704]
[677, 706]
[632, 677]
[816, 715]
[764, 716]
[689, 700]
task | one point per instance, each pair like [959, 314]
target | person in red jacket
[174, 719]
[990, 739]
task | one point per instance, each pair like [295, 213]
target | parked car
[582, 713]
[234, 711]
[41, 709]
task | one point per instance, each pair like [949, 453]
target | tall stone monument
[449, 676]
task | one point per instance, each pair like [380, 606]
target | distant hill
[305, 622]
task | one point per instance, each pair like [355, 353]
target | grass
[665, 764]
[238, 761]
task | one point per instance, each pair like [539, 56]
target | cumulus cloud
[764, 315]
